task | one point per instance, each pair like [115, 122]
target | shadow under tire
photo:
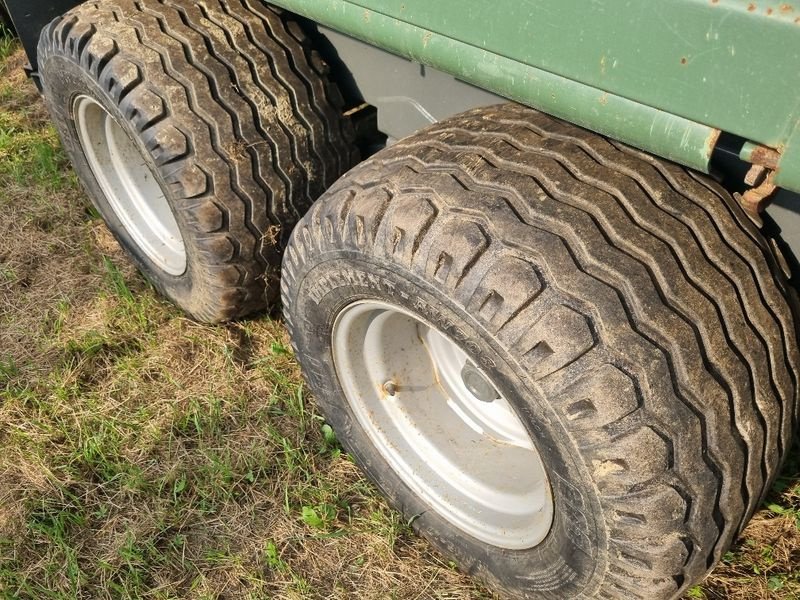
[640, 326]
[203, 128]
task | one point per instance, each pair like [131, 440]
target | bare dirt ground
[148, 456]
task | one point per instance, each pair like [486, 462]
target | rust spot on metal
[756, 199]
[711, 141]
[765, 157]
[756, 175]
[388, 390]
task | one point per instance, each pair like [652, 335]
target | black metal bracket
[30, 17]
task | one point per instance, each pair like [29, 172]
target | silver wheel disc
[129, 185]
[441, 425]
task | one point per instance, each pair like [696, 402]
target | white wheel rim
[472, 461]
[129, 185]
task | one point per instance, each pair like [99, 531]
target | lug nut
[477, 385]
[390, 387]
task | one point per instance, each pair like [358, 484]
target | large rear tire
[628, 313]
[201, 131]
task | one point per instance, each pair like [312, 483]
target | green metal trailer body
[664, 76]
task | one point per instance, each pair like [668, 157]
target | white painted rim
[472, 460]
[130, 186]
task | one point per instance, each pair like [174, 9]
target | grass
[8, 45]
[148, 456]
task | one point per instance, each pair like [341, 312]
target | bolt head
[477, 384]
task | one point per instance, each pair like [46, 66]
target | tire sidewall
[63, 82]
[567, 562]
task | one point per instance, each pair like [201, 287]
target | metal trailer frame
[667, 77]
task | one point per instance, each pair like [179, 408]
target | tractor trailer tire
[572, 365]
[202, 131]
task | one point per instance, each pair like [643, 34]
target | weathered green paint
[768, 158]
[662, 75]
[717, 63]
[648, 128]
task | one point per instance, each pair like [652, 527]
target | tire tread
[680, 305]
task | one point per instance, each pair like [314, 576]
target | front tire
[201, 131]
[637, 324]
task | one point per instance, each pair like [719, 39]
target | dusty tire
[638, 322]
[231, 112]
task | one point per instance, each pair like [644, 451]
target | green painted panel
[730, 64]
[648, 128]
[662, 75]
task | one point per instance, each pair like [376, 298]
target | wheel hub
[129, 185]
[441, 425]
